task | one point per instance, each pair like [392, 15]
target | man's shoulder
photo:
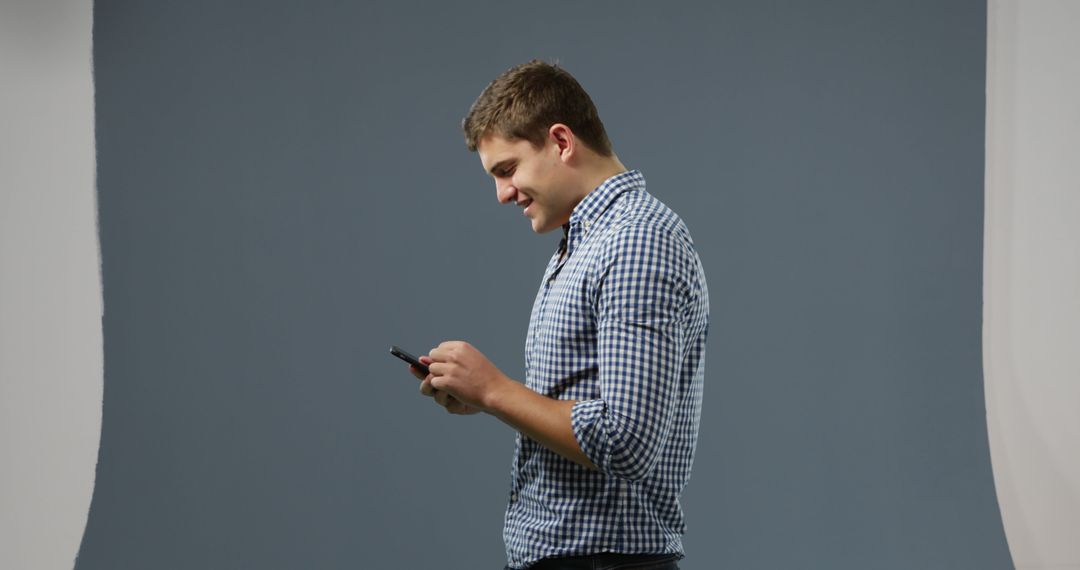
[641, 218]
[646, 245]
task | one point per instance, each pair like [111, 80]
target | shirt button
[513, 497]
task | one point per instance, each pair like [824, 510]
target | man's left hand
[465, 373]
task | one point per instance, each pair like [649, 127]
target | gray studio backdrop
[284, 192]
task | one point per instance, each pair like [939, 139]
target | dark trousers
[610, 561]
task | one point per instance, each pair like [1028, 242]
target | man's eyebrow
[499, 165]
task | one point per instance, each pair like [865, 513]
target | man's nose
[506, 193]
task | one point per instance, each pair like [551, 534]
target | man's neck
[601, 170]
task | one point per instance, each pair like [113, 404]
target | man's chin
[542, 224]
[539, 227]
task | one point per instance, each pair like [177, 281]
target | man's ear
[563, 139]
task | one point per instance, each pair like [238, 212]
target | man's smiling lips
[525, 205]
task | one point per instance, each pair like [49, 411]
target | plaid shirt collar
[596, 203]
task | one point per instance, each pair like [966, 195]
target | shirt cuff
[587, 422]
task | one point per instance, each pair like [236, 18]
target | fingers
[456, 406]
[420, 375]
[426, 388]
[443, 352]
[461, 408]
[441, 397]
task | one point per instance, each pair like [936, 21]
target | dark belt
[601, 561]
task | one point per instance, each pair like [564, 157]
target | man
[608, 415]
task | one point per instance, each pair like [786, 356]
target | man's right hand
[441, 397]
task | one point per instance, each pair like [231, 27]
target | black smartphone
[410, 359]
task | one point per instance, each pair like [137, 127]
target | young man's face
[534, 179]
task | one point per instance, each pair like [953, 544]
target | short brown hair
[526, 100]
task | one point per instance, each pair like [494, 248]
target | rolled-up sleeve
[643, 289]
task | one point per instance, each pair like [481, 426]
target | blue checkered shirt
[618, 324]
